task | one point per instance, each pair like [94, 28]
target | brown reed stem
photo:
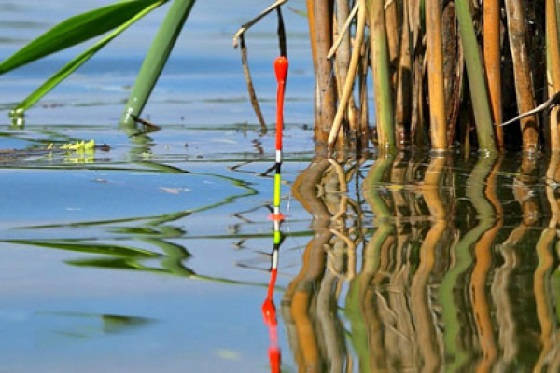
[553, 69]
[404, 84]
[438, 128]
[310, 6]
[491, 52]
[325, 84]
[350, 77]
[522, 72]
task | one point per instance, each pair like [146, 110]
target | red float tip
[281, 68]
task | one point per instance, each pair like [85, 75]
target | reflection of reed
[442, 283]
[424, 320]
[483, 261]
[371, 304]
[300, 294]
[450, 289]
[542, 285]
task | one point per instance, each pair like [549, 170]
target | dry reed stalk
[338, 83]
[343, 30]
[392, 26]
[381, 76]
[250, 87]
[343, 18]
[417, 120]
[438, 128]
[310, 5]
[342, 57]
[522, 72]
[350, 76]
[326, 99]
[404, 83]
[417, 123]
[553, 69]
[491, 49]
[453, 69]
[364, 131]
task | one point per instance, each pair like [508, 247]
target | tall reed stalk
[553, 68]
[438, 128]
[381, 75]
[475, 71]
[325, 100]
[491, 43]
[522, 72]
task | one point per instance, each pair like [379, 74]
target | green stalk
[155, 59]
[475, 72]
[381, 76]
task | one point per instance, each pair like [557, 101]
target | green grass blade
[71, 66]
[156, 58]
[76, 30]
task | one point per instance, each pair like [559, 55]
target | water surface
[153, 253]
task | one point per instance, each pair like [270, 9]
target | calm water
[154, 254]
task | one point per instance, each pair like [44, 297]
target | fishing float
[268, 308]
[281, 73]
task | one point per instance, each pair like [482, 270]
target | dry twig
[545, 106]
[346, 26]
[261, 15]
[250, 87]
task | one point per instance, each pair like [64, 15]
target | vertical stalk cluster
[443, 72]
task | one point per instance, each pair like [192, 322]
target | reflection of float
[269, 316]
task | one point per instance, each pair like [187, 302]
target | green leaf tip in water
[76, 30]
[73, 65]
[155, 60]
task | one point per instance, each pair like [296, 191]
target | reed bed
[438, 70]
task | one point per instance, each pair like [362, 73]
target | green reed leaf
[76, 30]
[71, 66]
[155, 60]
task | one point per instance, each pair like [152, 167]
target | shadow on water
[442, 264]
